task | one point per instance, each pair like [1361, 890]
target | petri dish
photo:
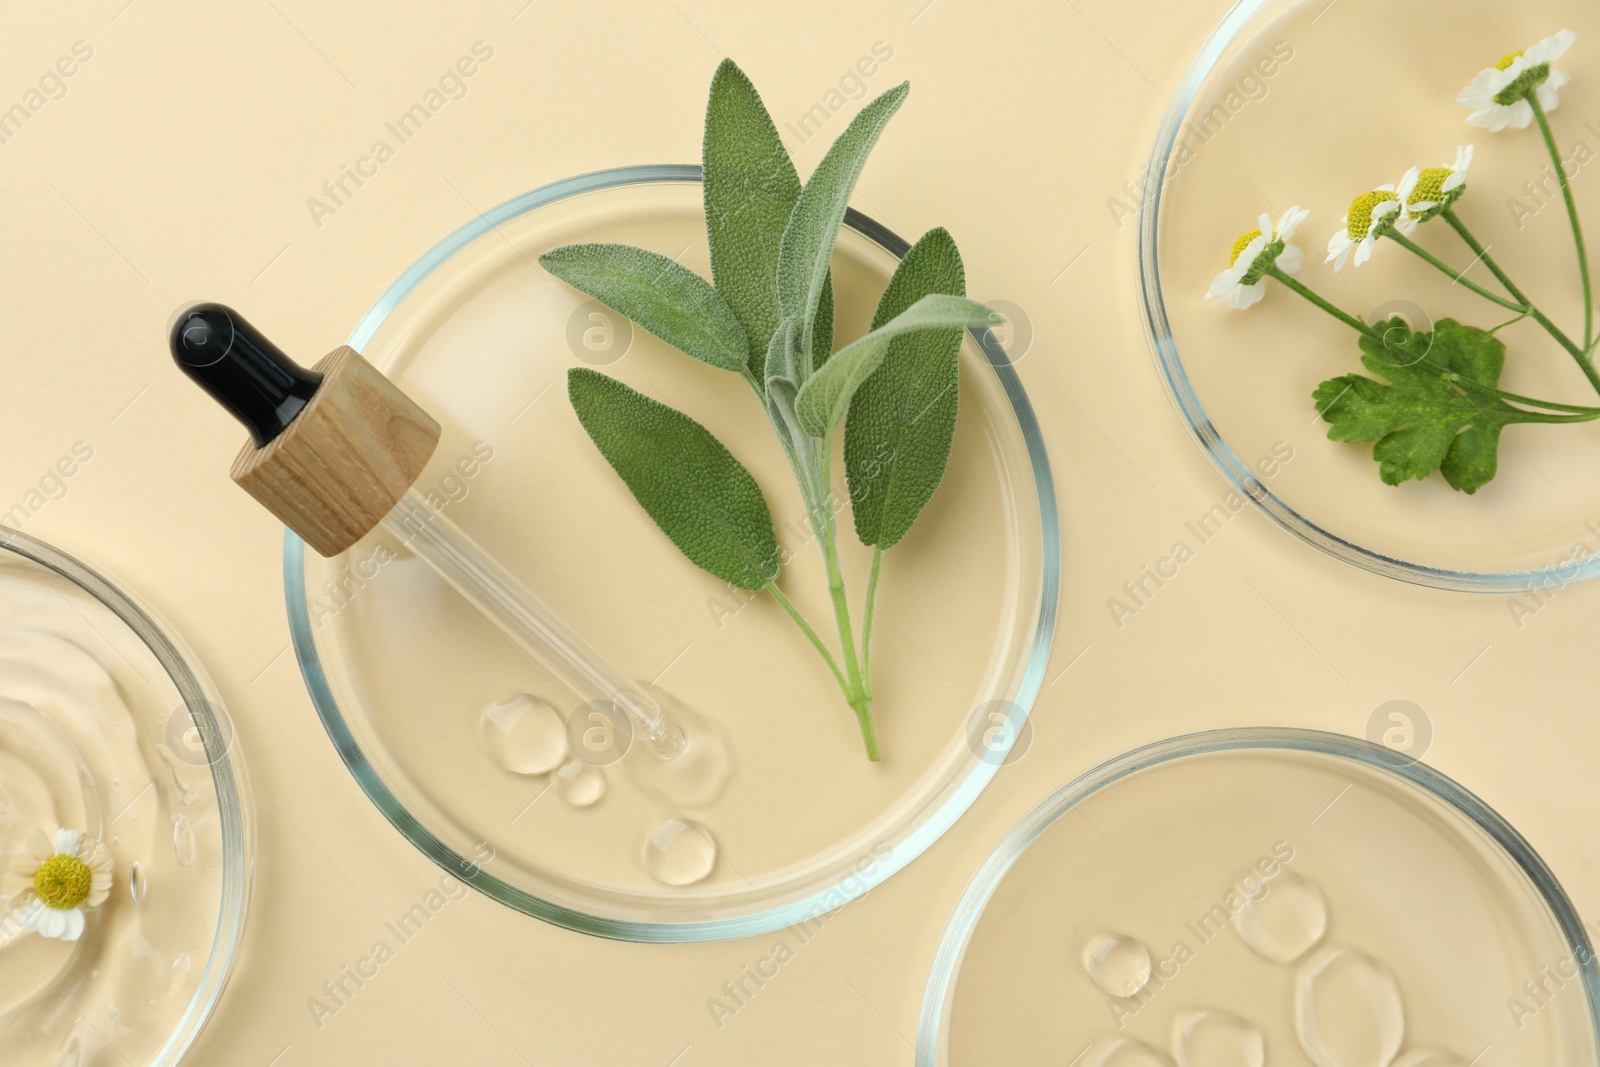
[1263, 895]
[459, 741]
[108, 726]
[1278, 109]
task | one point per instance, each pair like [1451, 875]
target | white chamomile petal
[100, 872]
[38, 847]
[1255, 254]
[1339, 248]
[30, 914]
[1498, 96]
[1408, 184]
[59, 877]
[1247, 296]
[72, 925]
[52, 922]
[1551, 48]
[1290, 223]
[1549, 97]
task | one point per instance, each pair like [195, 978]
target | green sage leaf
[808, 239]
[826, 394]
[902, 422]
[750, 188]
[659, 294]
[696, 491]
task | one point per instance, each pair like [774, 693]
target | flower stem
[1571, 412]
[1572, 214]
[1580, 414]
[1584, 360]
[1343, 316]
[1456, 277]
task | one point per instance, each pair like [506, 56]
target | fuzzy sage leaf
[902, 422]
[750, 191]
[770, 316]
[813, 227]
[696, 491]
[660, 294]
[827, 393]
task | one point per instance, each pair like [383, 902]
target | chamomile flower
[1498, 96]
[1370, 215]
[1255, 253]
[1424, 192]
[52, 884]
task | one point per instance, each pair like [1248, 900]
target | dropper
[334, 452]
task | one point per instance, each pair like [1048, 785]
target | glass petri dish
[1324, 899]
[1276, 110]
[404, 674]
[109, 726]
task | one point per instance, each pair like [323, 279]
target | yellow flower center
[1505, 61]
[1241, 244]
[63, 882]
[1361, 209]
[1430, 186]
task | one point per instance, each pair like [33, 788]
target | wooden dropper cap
[331, 449]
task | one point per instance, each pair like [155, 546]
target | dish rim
[926, 832]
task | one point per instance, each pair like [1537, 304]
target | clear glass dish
[1248, 889]
[1279, 108]
[401, 670]
[109, 721]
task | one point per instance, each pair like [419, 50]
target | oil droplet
[1429, 1058]
[183, 842]
[185, 794]
[138, 884]
[1347, 1010]
[1217, 1039]
[524, 735]
[679, 852]
[71, 1053]
[1118, 964]
[1125, 1052]
[579, 784]
[1286, 920]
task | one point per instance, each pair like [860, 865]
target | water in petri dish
[1217, 1039]
[1262, 906]
[1125, 1052]
[524, 735]
[1347, 1010]
[1286, 920]
[1119, 965]
[679, 852]
[579, 784]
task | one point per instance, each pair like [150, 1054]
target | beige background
[178, 165]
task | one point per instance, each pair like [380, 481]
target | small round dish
[109, 727]
[1241, 894]
[1302, 102]
[414, 688]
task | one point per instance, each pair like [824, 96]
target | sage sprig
[767, 315]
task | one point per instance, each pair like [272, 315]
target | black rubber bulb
[245, 372]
